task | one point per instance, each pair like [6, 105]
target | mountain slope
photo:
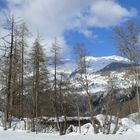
[98, 63]
[101, 69]
[114, 66]
[95, 64]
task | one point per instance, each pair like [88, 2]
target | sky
[89, 22]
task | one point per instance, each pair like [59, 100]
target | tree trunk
[8, 100]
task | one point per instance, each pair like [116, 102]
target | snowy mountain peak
[95, 63]
[109, 58]
[98, 63]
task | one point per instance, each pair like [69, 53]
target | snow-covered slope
[98, 78]
[98, 63]
[95, 63]
[97, 81]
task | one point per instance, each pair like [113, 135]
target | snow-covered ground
[15, 135]
[128, 130]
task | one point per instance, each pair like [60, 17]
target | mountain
[114, 66]
[100, 69]
[98, 63]
[95, 64]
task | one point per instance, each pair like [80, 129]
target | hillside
[101, 69]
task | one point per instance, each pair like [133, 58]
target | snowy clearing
[128, 130]
[14, 135]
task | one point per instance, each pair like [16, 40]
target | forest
[34, 85]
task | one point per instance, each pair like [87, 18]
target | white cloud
[61, 42]
[50, 17]
[104, 13]
[88, 34]
[53, 17]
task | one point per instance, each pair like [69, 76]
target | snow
[99, 82]
[62, 118]
[14, 135]
[113, 57]
[98, 63]
[128, 130]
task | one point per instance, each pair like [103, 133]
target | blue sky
[104, 44]
[89, 22]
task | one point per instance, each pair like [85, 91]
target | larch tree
[55, 50]
[23, 34]
[9, 96]
[127, 42]
[84, 80]
[39, 78]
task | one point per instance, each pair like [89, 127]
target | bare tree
[55, 61]
[23, 34]
[39, 77]
[12, 57]
[111, 91]
[9, 88]
[127, 42]
[84, 81]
